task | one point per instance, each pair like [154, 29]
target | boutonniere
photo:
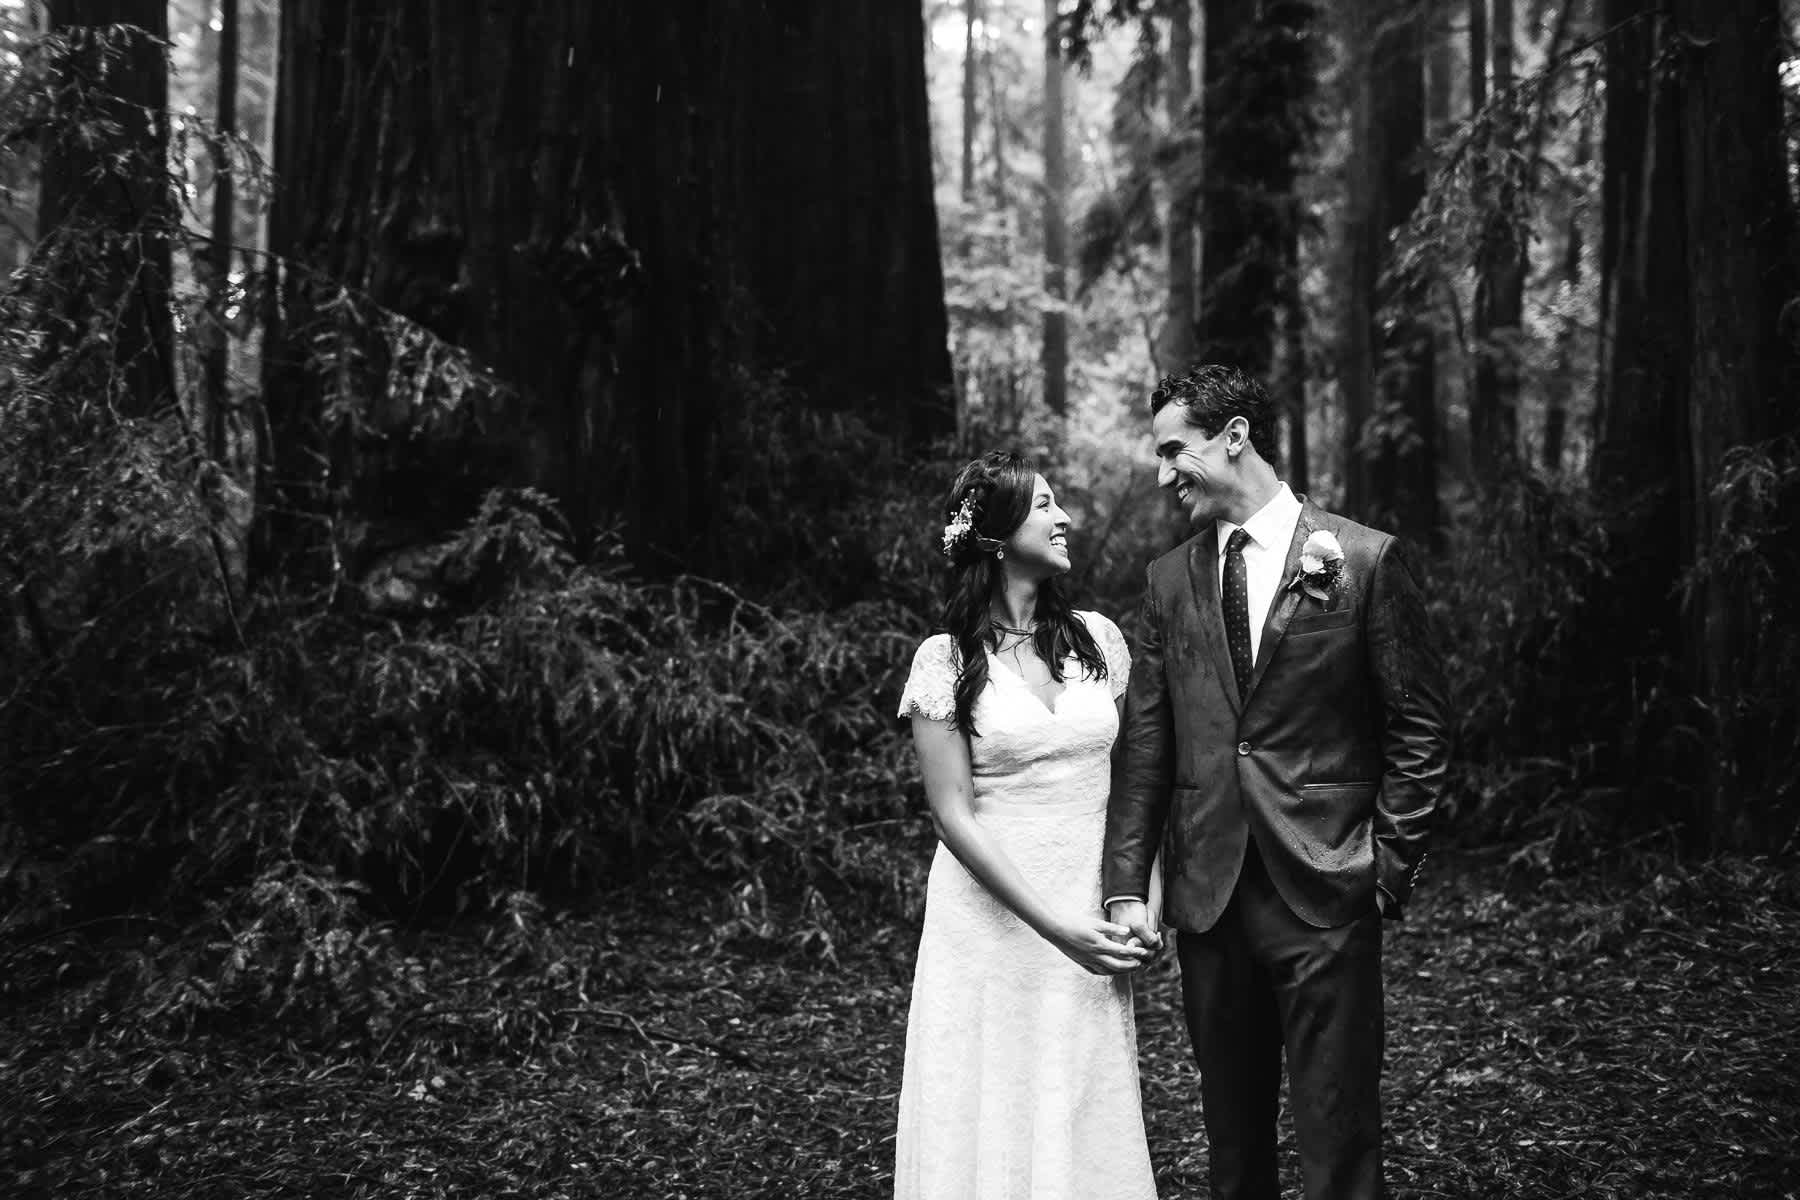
[1321, 565]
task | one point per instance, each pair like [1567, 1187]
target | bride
[1021, 1072]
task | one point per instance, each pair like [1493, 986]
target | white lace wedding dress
[1021, 1079]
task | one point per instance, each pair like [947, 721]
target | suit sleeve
[1143, 764]
[1409, 675]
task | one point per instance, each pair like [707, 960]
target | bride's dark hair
[998, 489]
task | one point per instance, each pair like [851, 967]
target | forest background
[466, 469]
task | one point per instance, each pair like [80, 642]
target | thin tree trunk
[1562, 382]
[1499, 287]
[997, 121]
[216, 334]
[1406, 463]
[970, 118]
[1056, 233]
[1639, 468]
[1449, 358]
[1293, 360]
[1391, 401]
[1236, 298]
[1361, 242]
[1175, 342]
[1475, 346]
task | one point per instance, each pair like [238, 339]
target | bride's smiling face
[1041, 541]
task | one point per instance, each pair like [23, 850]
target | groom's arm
[1143, 761]
[1403, 658]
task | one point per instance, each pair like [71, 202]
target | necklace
[1010, 631]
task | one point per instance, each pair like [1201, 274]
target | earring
[1000, 553]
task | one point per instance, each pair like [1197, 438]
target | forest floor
[1634, 1033]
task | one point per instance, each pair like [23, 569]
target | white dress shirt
[1271, 531]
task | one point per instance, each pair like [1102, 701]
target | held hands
[1100, 946]
[1134, 915]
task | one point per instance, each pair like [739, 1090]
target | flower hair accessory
[960, 533]
[1321, 565]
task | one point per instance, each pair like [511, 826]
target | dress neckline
[1049, 705]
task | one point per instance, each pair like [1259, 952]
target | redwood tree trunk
[1392, 399]
[1259, 90]
[1500, 281]
[1638, 468]
[1175, 341]
[617, 209]
[1237, 296]
[1740, 272]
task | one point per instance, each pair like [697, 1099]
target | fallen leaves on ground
[1632, 1034]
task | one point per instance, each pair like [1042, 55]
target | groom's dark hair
[1211, 394]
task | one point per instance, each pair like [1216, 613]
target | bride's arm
[1092, 941]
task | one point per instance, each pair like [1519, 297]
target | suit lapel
[1203, 570]
[1281, 610]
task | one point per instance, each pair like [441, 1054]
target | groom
[1285, 744]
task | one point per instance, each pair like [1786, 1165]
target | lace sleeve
[1112, 646]
[931, 688]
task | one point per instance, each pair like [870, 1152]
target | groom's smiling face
[1192, 465]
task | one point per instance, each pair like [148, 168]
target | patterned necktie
[1237, 611]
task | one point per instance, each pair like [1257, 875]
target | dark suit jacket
[1333, 762]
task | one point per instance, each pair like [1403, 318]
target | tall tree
[1638, 467]
[1500, 267]
[214, 335]
[1056, 224]
[105, 182]
[1180, 174]
[1390, 379]
[1740, 274]
[1258, 96]
[618, 209]
[1562, 378]
[1698, 261]
[971, 118]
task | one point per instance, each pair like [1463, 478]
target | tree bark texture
[970, 117]
[1298, 469]
[1740, 268]
[215, 336]
[1392, 399]
[1500, 274]
[1056, 225]
[1237, 297]
[623, 212]
[1698, 255]
[110, 190]
[1175, 340]
[1642, 412]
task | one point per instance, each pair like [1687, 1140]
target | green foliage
[294, 946]
[565, 727]
[1508, 598]
[1754, 563]
[495, 716]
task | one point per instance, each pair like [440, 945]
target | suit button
[1243, 749]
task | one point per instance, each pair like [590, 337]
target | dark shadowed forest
[469, 496]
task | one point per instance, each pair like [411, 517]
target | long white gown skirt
[1021, 1078]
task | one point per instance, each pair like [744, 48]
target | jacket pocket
[1320, 622]
[1356, 789]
